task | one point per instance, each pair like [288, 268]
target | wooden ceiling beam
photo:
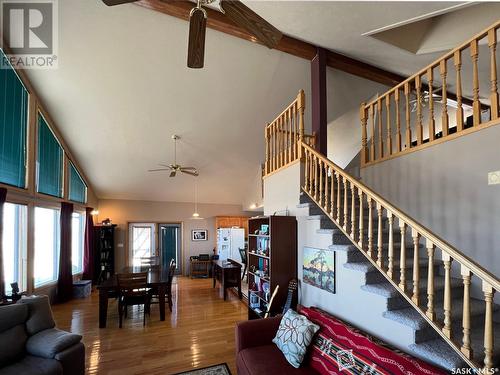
[218, 21]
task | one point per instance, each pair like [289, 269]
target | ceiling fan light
[196, 214]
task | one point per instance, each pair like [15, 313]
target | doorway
[170, 241]
[142, 242]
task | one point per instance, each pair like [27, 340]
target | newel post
[364, 137]
[301, 104]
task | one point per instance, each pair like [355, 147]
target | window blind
[49, 162]
[13, 126]
[77, 187]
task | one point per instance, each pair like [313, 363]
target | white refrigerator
[229, 241]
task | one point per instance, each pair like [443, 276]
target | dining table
[157, 278]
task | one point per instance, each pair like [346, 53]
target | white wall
[445, 187]
[345, 93]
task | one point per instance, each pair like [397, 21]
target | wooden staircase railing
[419, 111]
[329, 186]
[284, 135]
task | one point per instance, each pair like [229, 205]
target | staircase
[427, 342]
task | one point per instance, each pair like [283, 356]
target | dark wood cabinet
[272, 259]
[104, 252]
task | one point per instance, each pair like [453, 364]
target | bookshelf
[272, 258]
[104, 252]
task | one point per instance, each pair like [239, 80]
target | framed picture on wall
[199, 235]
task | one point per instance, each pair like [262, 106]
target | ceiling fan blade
[196, 46]
[191, 173]
[189, 169]
[243, 16]
[158, 170]
[111, 3]
[173, 173]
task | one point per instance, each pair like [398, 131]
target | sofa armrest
[73, 359]
[257, 332]
[49, 342]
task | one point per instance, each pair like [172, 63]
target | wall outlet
[494, 178]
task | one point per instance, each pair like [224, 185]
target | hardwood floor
[198, 333]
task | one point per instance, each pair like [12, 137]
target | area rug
[220, 369]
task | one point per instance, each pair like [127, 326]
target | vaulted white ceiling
[122, 89]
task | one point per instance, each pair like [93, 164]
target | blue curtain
[50, 161]
[77, 187]
[13, 127]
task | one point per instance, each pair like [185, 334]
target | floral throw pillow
[294, 335]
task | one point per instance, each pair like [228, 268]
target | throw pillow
[294, 335]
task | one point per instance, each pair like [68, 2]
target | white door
[141, 242]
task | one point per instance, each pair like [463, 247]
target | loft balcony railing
[440, 102]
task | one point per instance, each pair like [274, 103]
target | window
[14, 245]
[142, 241]
[46, 245]
[13, 126]
[77, 240]
[49, 162]
[77, 187]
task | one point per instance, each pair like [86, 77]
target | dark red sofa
[256, 354]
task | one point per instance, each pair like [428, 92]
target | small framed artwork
[199, 235]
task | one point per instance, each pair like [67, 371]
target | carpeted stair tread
[438, 352]
[386, 289]
[410, 317]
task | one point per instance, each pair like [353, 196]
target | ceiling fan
[236, 11]
[174, 168]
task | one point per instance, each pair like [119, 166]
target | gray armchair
[30, 343]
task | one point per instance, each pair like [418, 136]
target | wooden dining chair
[244, 257]
[133, 290]
[171, 273]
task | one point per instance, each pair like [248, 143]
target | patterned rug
[220, 369]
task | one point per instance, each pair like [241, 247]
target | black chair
[133, 290]
[244, 255]
[171, 273]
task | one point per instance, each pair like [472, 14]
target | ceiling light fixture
[196, 215]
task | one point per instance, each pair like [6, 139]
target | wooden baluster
[316, 186]
[476, 104]
[312, 174]
[344, 179]
[466, 344]
[306, 171]
[447, 294]
[332, 193]
[353, 211]
[389, 131]
[364, 135]
[407, 116]
[416, 267]
[457, 59]
[398, 121]
[361, 233]
[432, 122]
[380, 133]
[266, 136]
[380, 259]
[275, 145]
[488, 325]
[372, 141]
[420, 129]
[282, 143]
[430, 281]
[402, 257]
[338, 197]
[301, 103]
[444, 96]
[370, 227]
[293, 131]
[492, 43]
[320, 166]
[327, 178]
[289, 129]
[390, 250]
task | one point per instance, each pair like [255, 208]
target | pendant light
[196, 215]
